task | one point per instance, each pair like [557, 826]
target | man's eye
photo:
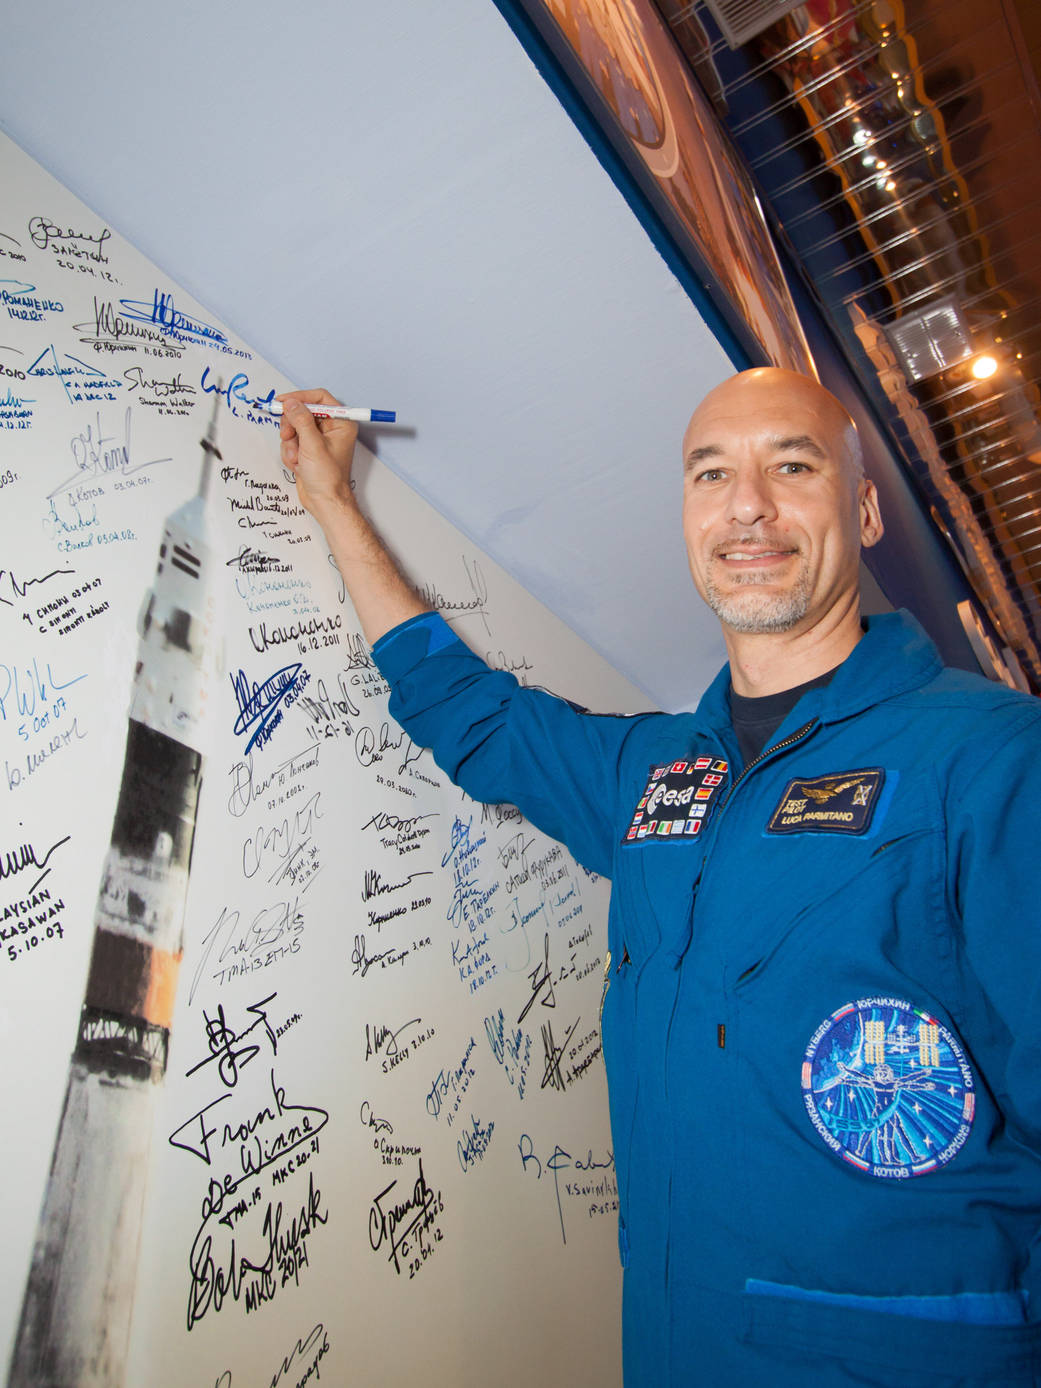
[794, 467]
[709, 474]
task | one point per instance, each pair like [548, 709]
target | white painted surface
[388, 200]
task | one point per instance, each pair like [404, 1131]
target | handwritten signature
[163, 312]
[559, 1161]
[236, 392]
[272, 933]
[94, 457]
[285, 841]
[225, 1043]
[19, 587]
[394, 1221]
[18, 859]
[212, 1284]
[260, 704]
[43, 231]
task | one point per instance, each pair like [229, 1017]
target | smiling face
[775, 504]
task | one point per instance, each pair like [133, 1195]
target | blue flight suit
[822, 1012]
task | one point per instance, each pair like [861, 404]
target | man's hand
[318, 452]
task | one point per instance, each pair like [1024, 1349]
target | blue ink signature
[32, 690]
[62, 372]
[165, 313]
[236, 391]
[260, 704]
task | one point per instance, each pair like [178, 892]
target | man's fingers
[302, 422]
[309, 397]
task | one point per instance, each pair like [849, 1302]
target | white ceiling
[389, 201]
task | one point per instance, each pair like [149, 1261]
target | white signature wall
[378, 1148]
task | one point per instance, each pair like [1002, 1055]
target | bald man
[822, 1004]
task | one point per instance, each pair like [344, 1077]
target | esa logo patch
[677, 798]
[888, 1088]
[842, 803]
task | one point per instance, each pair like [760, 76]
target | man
[822, 1010]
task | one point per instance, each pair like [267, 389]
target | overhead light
[931, 340]
[984, 367]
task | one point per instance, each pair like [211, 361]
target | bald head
[772, 390]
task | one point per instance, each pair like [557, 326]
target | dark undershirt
[756, 720]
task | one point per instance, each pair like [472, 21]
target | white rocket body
[75, 1323]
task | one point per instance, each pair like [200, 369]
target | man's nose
[751, 500]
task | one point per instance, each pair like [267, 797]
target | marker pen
[358, 415]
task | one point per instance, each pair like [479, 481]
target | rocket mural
[75, 1320]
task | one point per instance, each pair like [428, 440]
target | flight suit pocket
[875, 1345]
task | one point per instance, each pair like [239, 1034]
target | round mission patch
[888, 1088]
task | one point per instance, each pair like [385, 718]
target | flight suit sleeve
[501, 741]
[994, 856]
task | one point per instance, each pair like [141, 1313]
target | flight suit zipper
[798, 736]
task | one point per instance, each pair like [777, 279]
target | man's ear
[871, 527]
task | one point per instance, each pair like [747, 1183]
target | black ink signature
[18, 859]
[253, 561]
[541, 982]
[42, 232]
[514, 850]
[552, 1073]
[93, 456]
[383, 1039]
[303, 1349]
[135, 377]
[285, 840]
[269, 928]
[111, 327]
[560, 1161]
[393, 1222]
[246, 787]
[211, 1285]
[381, 822]
[358, 655]
[18, 588]
[476, 605]
[292, 1124]
[363, 962]
[222, 1041]
[368, 748]
[375, 885]
[369, 1119]
[324, 710]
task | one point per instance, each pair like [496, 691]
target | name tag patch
[842, 803]
[677, 798]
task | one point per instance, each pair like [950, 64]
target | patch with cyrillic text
[888, 1088]
[677, 799]
[841, 803]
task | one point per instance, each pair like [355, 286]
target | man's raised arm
[319, 454]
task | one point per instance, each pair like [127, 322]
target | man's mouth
[752, 554]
